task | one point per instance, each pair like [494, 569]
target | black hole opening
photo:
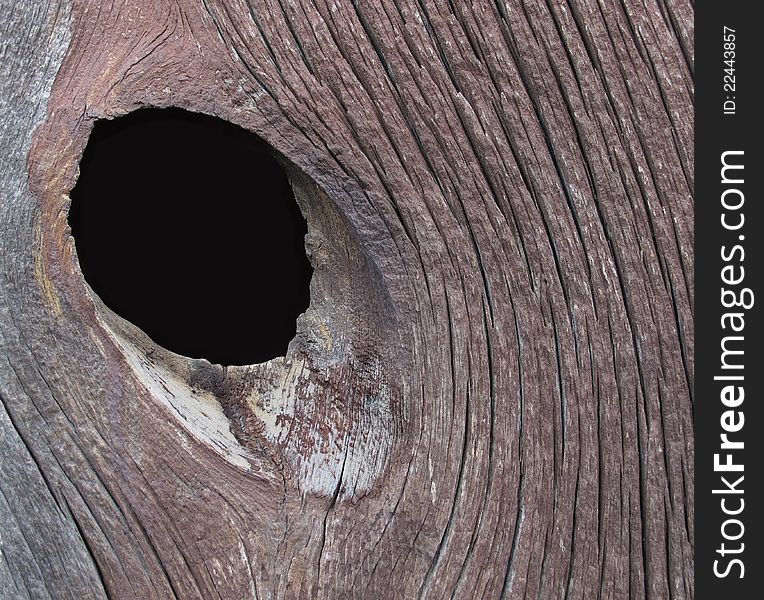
[186, 226]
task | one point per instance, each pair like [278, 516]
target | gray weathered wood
[490, 394]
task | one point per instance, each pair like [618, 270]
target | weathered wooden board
[490, 394]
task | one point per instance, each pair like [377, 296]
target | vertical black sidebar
[729, 427]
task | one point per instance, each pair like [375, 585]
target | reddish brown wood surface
[490, 394]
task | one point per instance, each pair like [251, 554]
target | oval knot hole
[186, 226]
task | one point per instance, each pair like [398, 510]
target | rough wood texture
[490, 395]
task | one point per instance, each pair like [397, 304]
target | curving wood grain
[490, 394]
